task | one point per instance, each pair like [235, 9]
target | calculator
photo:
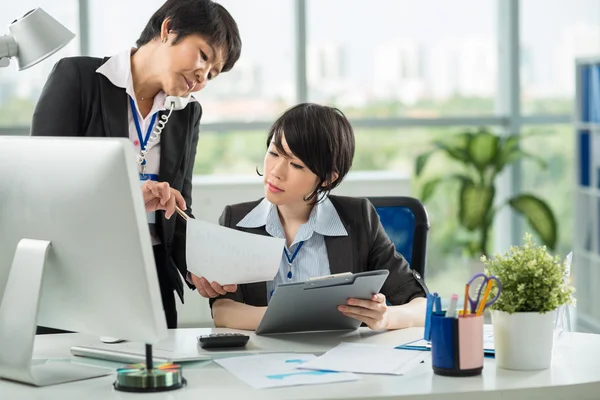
[218, 340]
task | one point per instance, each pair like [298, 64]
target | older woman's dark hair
[321, 137]
[200, 17]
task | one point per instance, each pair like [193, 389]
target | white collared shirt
[311, 260]
[118, 71]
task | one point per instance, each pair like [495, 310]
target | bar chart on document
[586, 233]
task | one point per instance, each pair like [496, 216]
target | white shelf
[593, 127]
[590, 191]
[587, 254]
[586, 236]
[581, 61]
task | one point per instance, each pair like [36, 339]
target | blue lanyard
[143, 141]
[291, 260]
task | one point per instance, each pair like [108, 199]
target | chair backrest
[405, 221]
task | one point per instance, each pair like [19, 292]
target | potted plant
[483, 156]
[534, 286]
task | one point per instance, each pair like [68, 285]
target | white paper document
[228, 256]
[367, 359]
[279, 370]
[488, 342]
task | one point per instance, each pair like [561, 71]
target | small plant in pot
[534, 286]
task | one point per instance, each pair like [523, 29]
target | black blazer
[366, 248]
[78, 101]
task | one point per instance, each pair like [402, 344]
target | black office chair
[406, 222]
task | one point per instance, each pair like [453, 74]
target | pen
[466, 300]
[181, 213]
[485, 297]
[428, 312]
[437, 302]
[452, 307]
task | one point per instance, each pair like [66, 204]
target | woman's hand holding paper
[211, 289]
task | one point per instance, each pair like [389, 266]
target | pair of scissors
[483, 283]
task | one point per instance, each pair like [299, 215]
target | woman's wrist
[408, 315]
[228, 313]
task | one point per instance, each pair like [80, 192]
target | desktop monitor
[75, 250]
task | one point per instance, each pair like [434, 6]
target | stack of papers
[367, 359]
[279, 370]
[337, 365]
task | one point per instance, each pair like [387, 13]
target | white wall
[212, 193]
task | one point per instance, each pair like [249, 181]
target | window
[378, 149]
[230, 153]
[262, 84]
[390, 58]
[259, 87]
[555, 184]
[19, 90]
[549, 47]
[447, 265]
[116, 25]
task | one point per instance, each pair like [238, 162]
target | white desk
[575, 373]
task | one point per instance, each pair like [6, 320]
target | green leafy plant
[483, 156]
[532, 279]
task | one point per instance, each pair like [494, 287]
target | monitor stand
[18, 323]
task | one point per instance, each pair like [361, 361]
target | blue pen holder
[456, 345]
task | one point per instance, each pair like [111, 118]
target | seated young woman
[310, 149]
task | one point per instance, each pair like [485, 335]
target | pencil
[485, 297]
[464, 314]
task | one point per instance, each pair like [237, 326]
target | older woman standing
[185, 44]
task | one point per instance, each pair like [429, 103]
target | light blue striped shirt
[311, 260]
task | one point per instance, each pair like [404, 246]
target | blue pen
[438, 302]
[428, 313]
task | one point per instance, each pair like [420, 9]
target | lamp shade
[38, 36]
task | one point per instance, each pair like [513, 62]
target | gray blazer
[366, 248]
[78, 101]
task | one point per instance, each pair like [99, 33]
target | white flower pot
[523, 340]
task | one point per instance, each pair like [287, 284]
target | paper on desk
[279, 370]
[228, 256]
[488, 342]
[367, 359]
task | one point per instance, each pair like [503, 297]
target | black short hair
[321, 137]
[202, 17]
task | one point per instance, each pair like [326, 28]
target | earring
[164, 40]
